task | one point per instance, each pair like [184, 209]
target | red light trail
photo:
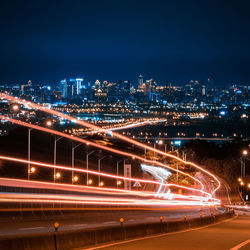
[116, 151]
[117, 135]
[104, 175]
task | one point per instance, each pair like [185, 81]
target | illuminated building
[140, 81]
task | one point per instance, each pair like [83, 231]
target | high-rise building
[148, 87]
[63, 88]
[203, 90]
[105, 86]
[140, 81]
[71, 88]
[78, 85]
[97, 84]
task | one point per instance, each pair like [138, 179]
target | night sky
[46, 41]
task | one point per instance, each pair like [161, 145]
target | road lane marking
[30, 228]
[109, 222]
[160, 235]
[131, 220]
[241, 245]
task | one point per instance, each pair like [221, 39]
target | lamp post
[243, 163]
[29, 129]
[55, 141]
[165, 147]
[87, 163]
[160, 142]
[117, 170]
[99, 168]
[73, 160]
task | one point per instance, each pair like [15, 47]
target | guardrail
[65, 240]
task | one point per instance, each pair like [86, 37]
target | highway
[42, 221]
[32, 207]
[232, 234]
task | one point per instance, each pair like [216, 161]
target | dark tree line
[223, 159]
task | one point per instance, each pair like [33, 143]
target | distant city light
[160, 142]
[177, 143]
[15, 107]
[49, 123]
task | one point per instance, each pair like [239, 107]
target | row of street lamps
[242, 183]
[75, 178]
[57, 175]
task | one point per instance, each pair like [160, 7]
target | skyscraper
[78, 85]
[140, 81]
[97, 84]
[63, 88]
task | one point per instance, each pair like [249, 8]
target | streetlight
[239, 179]
[32, 170]
[55, 141]
[117, 169]
[99, 167]
[242, 183]
[73, 158]
[243, 163]
[244, 152]
[57, 175]
[90, 181]
[248, 185]
[29, 129]
[87, 163]
[15, 107]
[160, 142]
[49, 123]
[75, 178]
[118, 183]
[101, 184]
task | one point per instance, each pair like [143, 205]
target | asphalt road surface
[231, 234]
[94, 219]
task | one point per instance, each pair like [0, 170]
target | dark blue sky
[174, 40]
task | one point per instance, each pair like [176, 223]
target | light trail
[13, 159]
[70, 187]
[116, 151]
[94, 127]
[74, 199]
[10, 182]
[131, 125]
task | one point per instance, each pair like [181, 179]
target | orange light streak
[101, 174]
[116, 151]
[73, 199]
[10, 182]
[94, 127]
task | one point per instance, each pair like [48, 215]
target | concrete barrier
[65, 240]
[28, 242]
